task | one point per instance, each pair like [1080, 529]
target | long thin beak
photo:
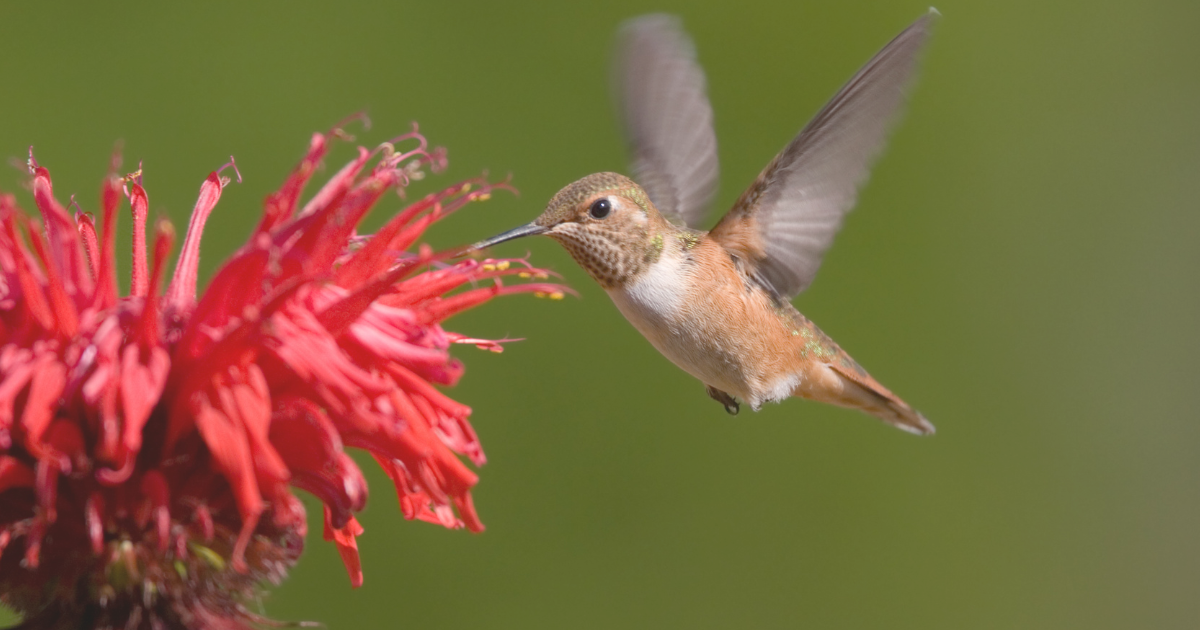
[529, 229]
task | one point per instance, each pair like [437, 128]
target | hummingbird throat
[611, 257]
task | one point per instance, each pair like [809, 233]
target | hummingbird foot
[731, 406]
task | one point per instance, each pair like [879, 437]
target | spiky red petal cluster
[149, 443]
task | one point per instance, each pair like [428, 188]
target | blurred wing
[782, 225]
[667, 119]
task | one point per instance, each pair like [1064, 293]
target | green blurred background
[1023, 267]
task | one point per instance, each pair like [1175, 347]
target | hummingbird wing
[667, 119]
[782, 225]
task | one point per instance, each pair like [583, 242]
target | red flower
[149, 443]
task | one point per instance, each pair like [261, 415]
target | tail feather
[860, 391]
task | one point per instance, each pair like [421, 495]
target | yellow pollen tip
[488, 267]
[502, 265]
[524, 275]
[211, 557]
[541, 275]
[539, 294]
[557, 295]
[466, 188]
[483, 197]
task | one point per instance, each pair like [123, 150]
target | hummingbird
[718, 303]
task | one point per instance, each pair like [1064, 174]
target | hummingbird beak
[529, 229]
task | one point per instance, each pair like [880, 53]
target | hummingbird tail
[864, 393]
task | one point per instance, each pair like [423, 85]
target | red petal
[139, 205]
[336, 187]
[33, 298]
[157, 492]
[142, 383]
[371, 260]
[281, 205]
[106, 275]
[182, 292]
[14, 474]
[44, 390]
[238, 284]
[91, 246]
[325, 237]
[65, 253]
[230, 448]
[16, 377]
[65, 315]
[347, 546]
[341, 314]
[312, 448]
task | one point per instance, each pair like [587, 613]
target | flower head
[149, 443]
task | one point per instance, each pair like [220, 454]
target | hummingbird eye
[600, 208]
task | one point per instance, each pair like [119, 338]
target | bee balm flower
[149, 443]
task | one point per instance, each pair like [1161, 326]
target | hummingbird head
[605, 221]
